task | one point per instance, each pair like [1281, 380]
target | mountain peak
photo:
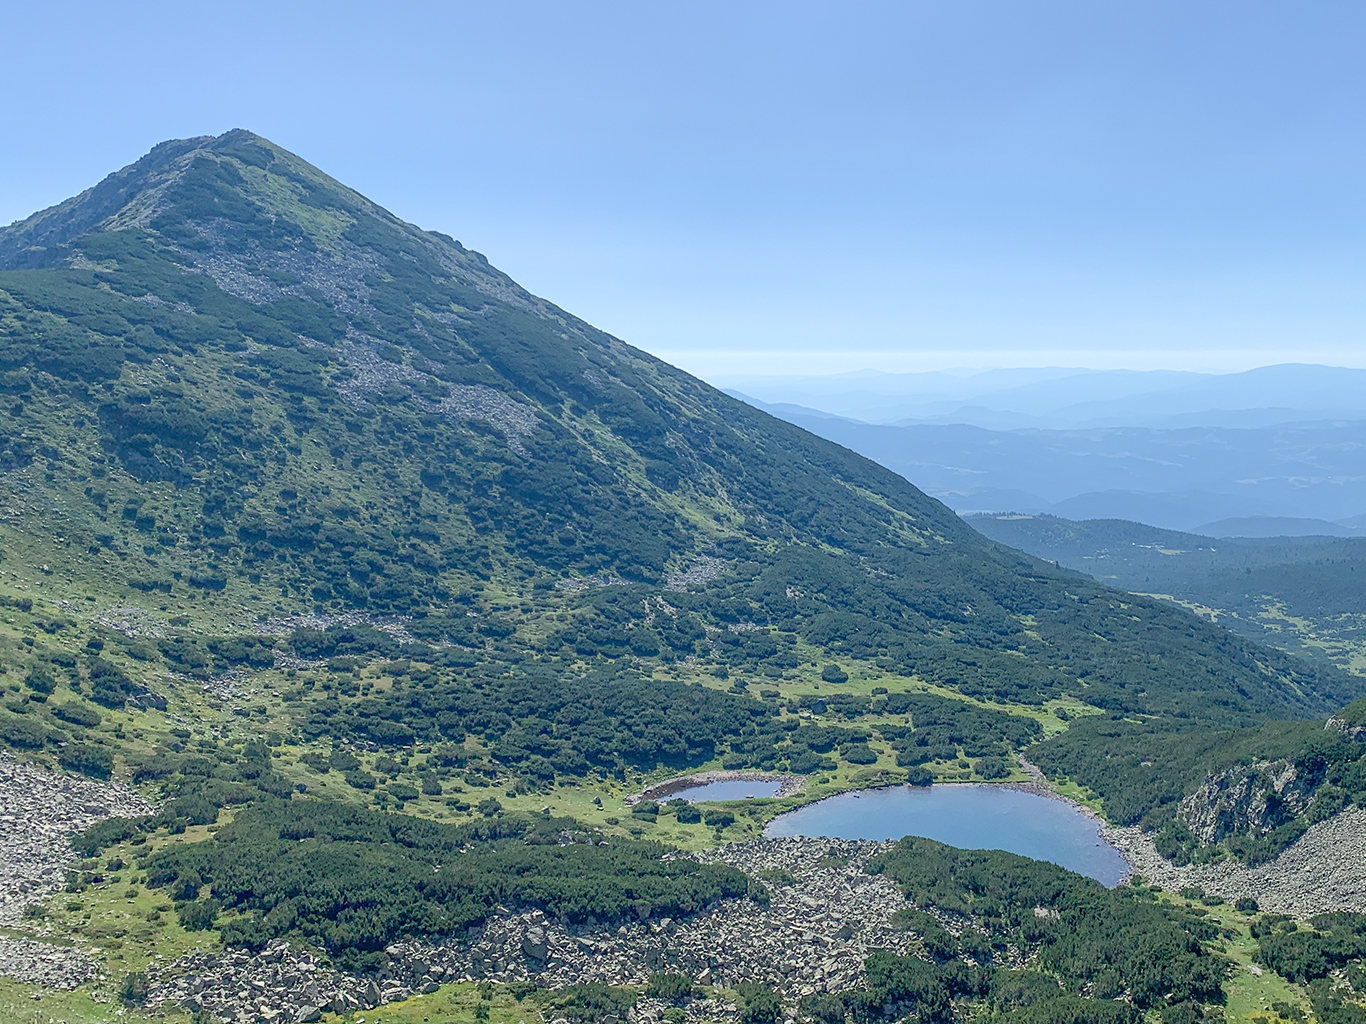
[260, 390]
[127, 197]
[263, 223]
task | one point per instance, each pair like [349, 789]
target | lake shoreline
[1105, 833]
[789, 785]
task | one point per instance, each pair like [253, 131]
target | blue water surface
[741, 789]
[971, 817]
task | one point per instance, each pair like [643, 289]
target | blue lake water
[742, 789]
[967, 816]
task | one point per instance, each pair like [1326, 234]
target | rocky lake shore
[824, 915]
[1324, 870]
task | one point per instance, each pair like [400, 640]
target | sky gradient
[789, 187]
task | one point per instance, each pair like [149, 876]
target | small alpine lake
[971, 817]
[728, 789]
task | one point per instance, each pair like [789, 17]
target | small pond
[971, 817]
[732, 789]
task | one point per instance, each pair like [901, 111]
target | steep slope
[242, 389]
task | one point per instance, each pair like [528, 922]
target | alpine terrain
[352, 596]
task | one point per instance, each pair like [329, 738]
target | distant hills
[1303, 594]
[1279, 526]
[1060, 398]
[1189, 478]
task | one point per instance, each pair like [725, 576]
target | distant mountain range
[1291, 479]
[1068, 398]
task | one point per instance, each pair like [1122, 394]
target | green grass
[17, 1006]
[451, 1004]
[132, 932]
[1251, 988]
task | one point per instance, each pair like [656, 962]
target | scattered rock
[811, 936]
[45, 963]
[40, 810]
[1324, 870]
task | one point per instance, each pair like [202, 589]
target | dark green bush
[672, 988]
[77, 714]
[759, 1004]
[86, 759]
[991, 768]
[40, 681]
[358, 880]
[198, 915]
[360, 780]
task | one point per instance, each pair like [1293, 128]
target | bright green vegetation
[1141, 771]
[1303, 594]
[308, 516]
[17, 1006]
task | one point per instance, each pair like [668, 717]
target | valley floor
[824, 917]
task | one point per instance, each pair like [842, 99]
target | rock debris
[39, 812]
[825, 915]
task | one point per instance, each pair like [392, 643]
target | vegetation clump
[356, 880]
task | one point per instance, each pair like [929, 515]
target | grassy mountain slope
[241, 389]
[296, 498]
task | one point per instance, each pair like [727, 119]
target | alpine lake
[973, 817]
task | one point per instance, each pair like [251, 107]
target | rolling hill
[1302, 594]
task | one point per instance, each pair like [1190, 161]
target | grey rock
[1245, 800]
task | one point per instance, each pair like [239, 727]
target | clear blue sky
[741, 186]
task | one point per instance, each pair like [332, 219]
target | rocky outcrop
[824, 916]
[1354, 732]
[1246, 800]
[1324, 870]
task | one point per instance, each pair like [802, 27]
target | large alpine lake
[971, 817]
